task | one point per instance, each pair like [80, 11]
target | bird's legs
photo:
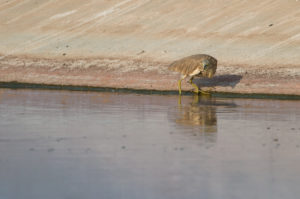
[197, 90]
[179, 83]
[179, 86]
[194, 85]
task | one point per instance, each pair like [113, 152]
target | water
[69, 145]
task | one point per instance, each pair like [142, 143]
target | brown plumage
[196, 65]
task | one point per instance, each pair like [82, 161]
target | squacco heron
[196, 65]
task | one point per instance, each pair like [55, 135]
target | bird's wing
[185, 66]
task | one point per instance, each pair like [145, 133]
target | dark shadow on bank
[219, 80]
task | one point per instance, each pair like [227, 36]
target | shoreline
[20, 85]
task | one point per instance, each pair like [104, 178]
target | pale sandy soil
[129, 43]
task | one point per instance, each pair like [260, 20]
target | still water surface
[69, 145]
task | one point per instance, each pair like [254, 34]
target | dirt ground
[129, 43]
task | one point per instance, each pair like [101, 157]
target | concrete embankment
[129, 43]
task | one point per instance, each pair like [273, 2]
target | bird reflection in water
[201, 112]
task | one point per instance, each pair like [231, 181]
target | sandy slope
[256, 42]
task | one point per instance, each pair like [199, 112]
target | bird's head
[205, 64]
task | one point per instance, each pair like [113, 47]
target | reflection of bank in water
[201, 112]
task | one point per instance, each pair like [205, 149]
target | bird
[200, 65]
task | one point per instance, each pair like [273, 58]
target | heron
[200, 65]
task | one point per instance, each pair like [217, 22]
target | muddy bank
[129, 43]
[144, 74]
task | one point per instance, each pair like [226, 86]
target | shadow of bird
[219, 80]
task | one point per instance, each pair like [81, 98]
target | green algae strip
[19, 85]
